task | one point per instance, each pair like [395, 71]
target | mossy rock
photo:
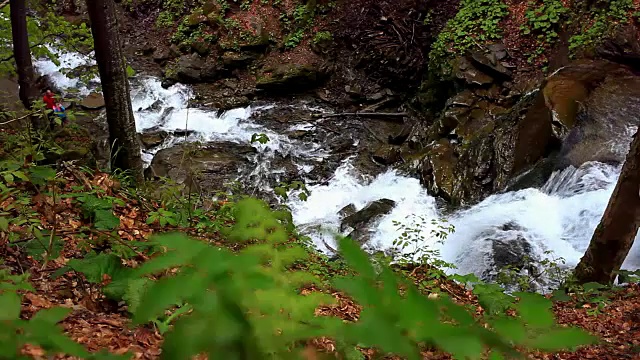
[289, 77]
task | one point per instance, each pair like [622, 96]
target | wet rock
[45, 81]
[623, 47]
[386, 155]
[162, 54]
[377, 96]
[183, 132]
[594, 103]
[155, 106]
[298, 134]
[354, 90]
[479, 122]
[193, 68]
[437, 170]
[402, 136]
[361, 220]
[165, 115]
[340, 144]
[488, 64]
[347, 211]
[207, 168]
[93, 101]
[289, 78]
[234, 60]
[465, 70]
[230, 102]
[151, 139]
[498, 50]
[511, 253]
[465, 98]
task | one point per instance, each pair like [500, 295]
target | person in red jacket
[49, 99]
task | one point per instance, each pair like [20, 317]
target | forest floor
[98, 323]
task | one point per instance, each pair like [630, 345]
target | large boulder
[93, 101]
[207, 168]
[595, 104]
[361, 221]
[499, 248]
[471, 147]
[287, 78]
[193, 68]
[153, 138]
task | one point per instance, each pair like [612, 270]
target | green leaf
[51, 316]
[535, 310]
[462, 346]
[560, 295]
[510, 329]
[40, 175]
[165, 293]
[356, 257]
[9, 306]
[4, 223]
[562, 339]
[105, 220]
[95, 266]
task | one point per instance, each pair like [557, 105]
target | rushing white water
[560, 217]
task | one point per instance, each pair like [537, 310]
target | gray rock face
[207, 168]
[193, 68]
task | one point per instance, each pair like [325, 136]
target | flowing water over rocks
[335, 159]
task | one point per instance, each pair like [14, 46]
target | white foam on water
[561, 220]
[66, 61]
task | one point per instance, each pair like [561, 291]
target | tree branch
[20, 118]
[4, 3]
[39, 43]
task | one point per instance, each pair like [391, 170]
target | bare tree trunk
[22, 56]
[115, 87]
[614, 236]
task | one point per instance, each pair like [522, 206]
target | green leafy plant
[261, 138]
[605, 17]
[475, 23]
[544, 21]
[100, 210]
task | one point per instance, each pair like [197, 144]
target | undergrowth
[475, 24]
[602, 19]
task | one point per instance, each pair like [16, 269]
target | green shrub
[475, 23]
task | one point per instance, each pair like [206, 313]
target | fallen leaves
[99, 324]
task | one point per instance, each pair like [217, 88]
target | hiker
[49, 99]
[51, 104]
[58, 110]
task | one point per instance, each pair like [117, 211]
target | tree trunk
[614, 235]
[115, 87]
[22, 56]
